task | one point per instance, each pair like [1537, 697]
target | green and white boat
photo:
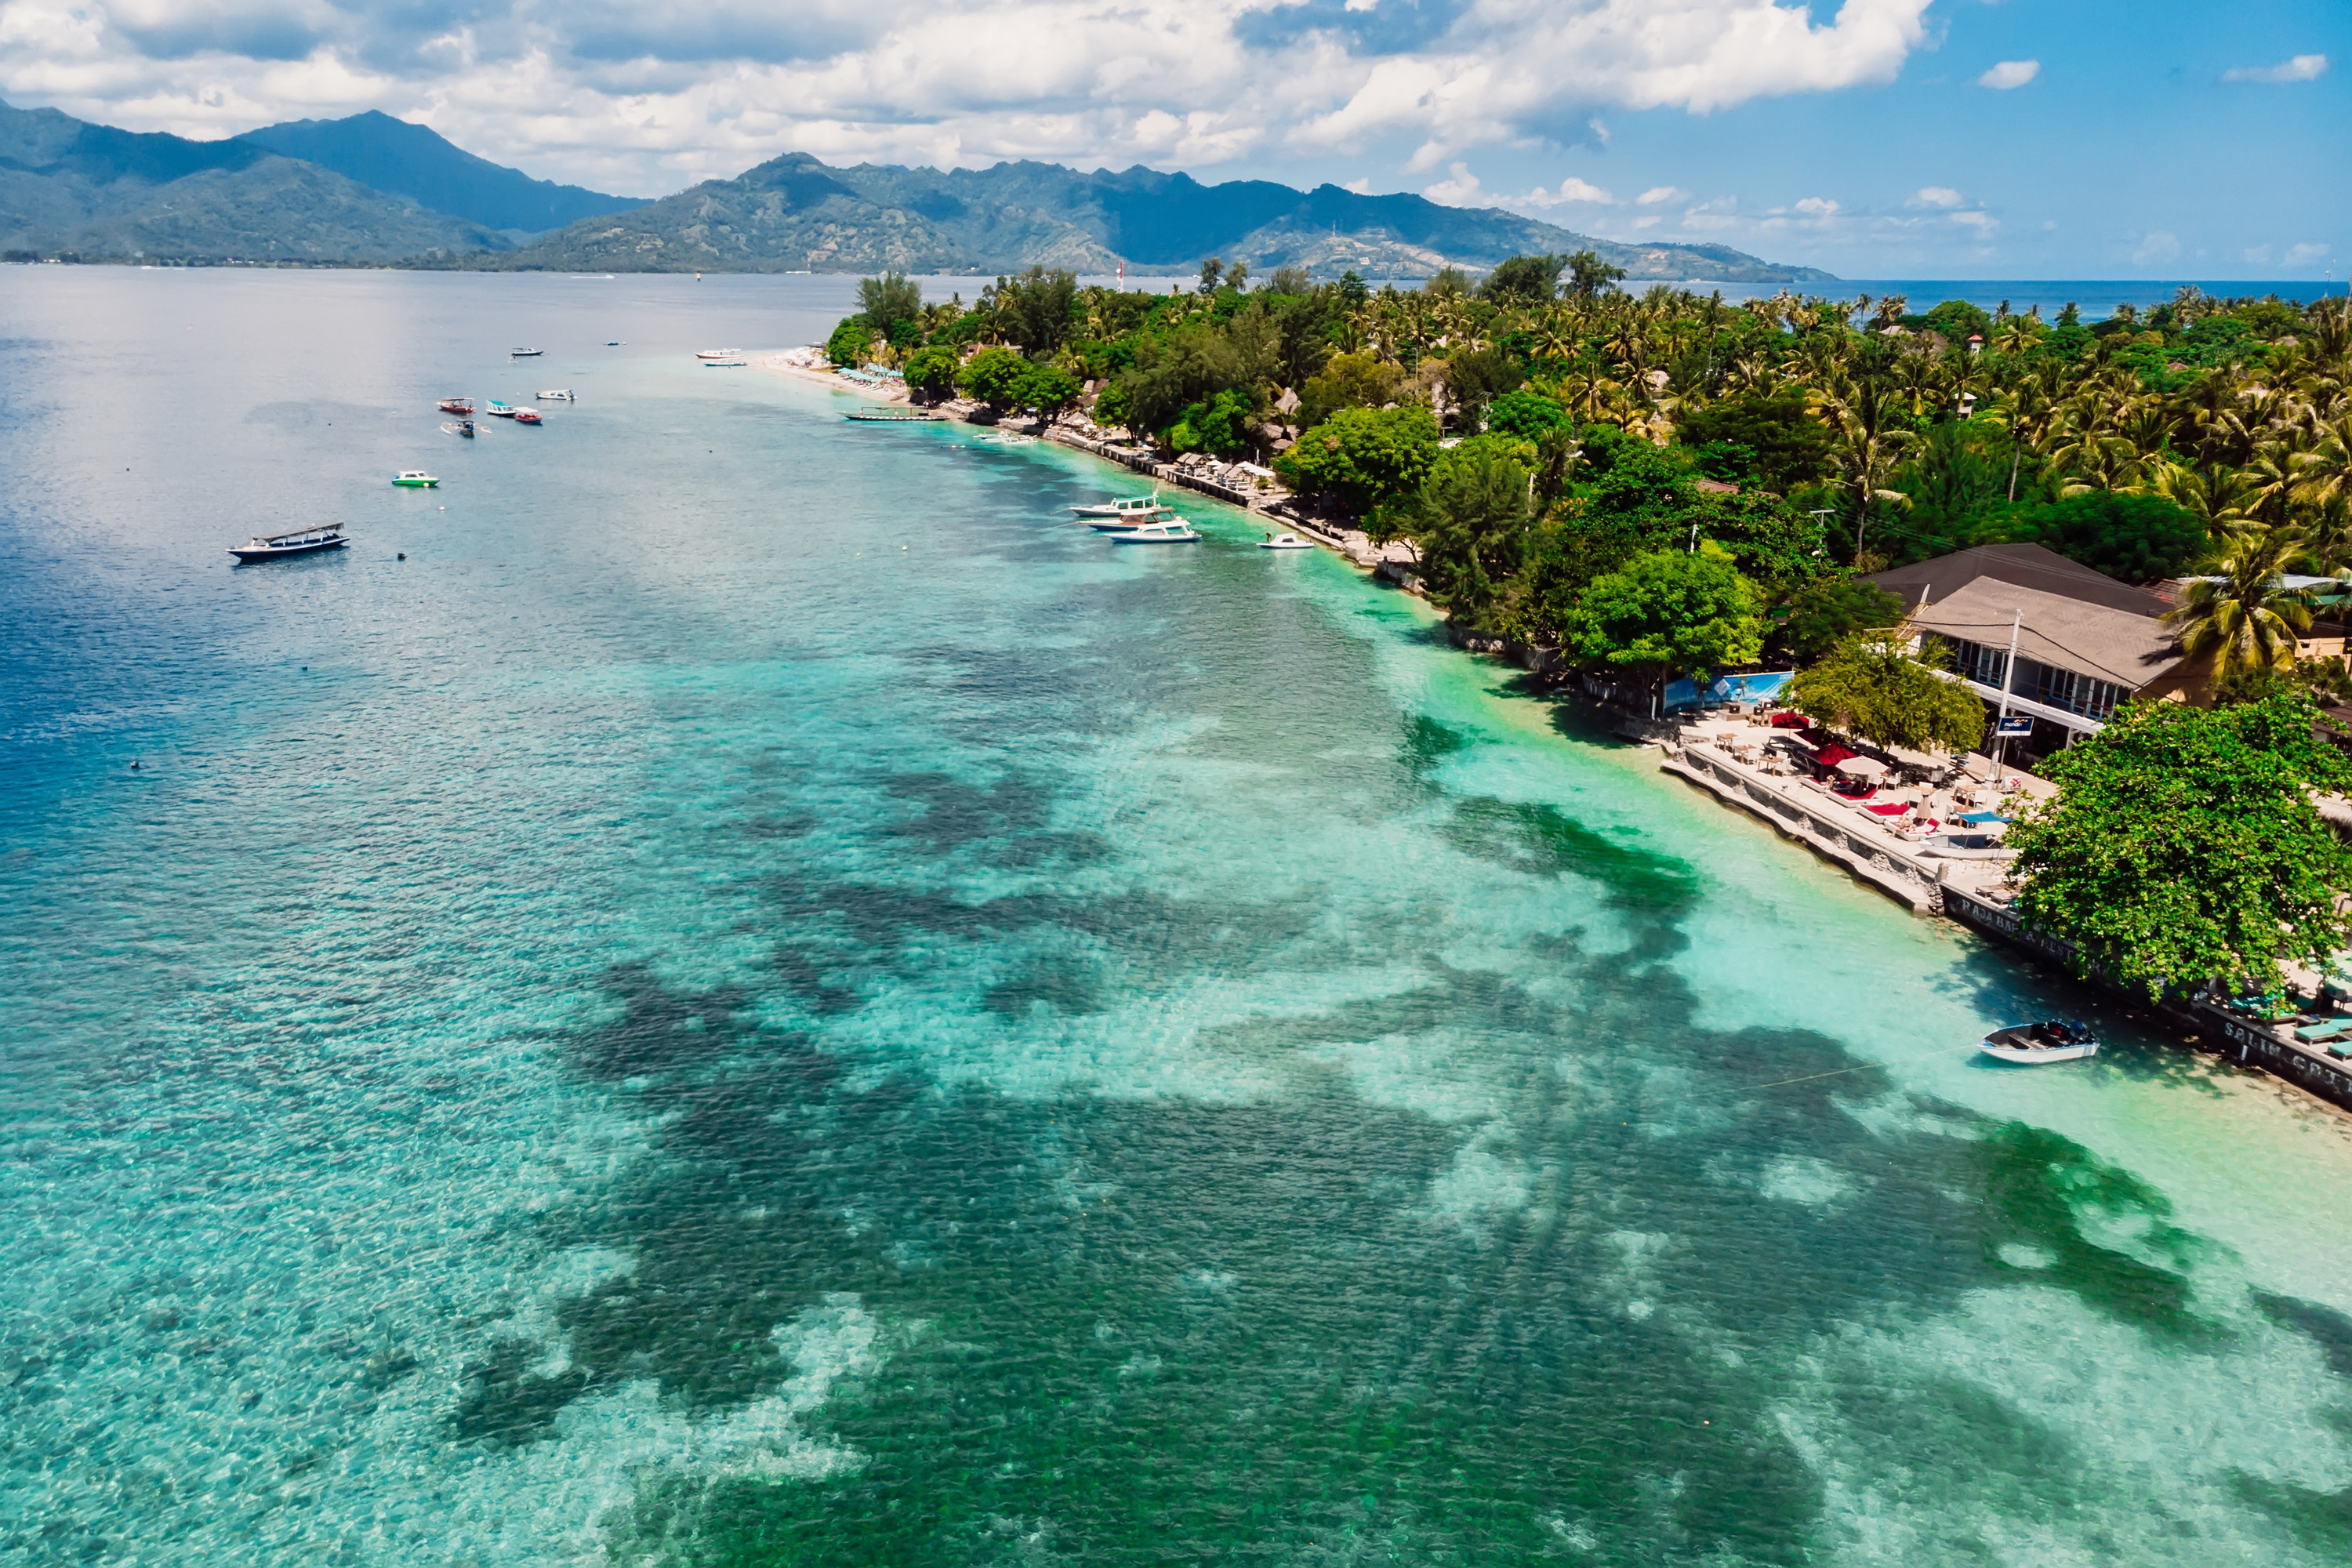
[415, 479]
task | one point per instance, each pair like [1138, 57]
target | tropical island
[1660, 484]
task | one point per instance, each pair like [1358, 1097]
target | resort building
[2085, 641]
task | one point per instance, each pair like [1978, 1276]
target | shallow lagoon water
[763, 997]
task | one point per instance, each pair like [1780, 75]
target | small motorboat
[1283, 542]
[1174, 530]
[415, 479]
[1135, 509]
[560, 394]
[2032, 1045]
[893, 417]
[723, 363]
[524, 354]
[303, 541]
[498, 410]
[457, 406]
[717, 354]
[526, 414]
[461, 427]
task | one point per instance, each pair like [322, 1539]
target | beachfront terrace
[1911, 826]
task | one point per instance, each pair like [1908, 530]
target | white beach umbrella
[1862, 767]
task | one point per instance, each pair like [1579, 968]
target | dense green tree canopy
[1524, 280]
[890, 298]
[1669, 613]
[1823, 612]
[1527, 414]
[995, 376]
[1870, 686]
[932, 371]
[2139, 538]
[1364, 457]
[1789, 447]
[1471, 520]
[2183, 847]
[849, 342]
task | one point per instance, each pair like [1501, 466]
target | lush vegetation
[1538, 434]
[1871, 686]
[2184, 846]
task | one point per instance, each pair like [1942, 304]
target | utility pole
[2008, 680]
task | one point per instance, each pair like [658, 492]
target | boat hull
[1155, 539]
[2036, 1045]
[274, 551]
[2027, 1056]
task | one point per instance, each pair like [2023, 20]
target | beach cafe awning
[1861, 767]
[1831, 753]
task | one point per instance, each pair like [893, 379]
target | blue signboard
[2017, 724]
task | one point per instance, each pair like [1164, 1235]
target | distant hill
[413, 161]
[67, 186]
[794, 212]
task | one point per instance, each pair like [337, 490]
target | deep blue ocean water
[763, 997]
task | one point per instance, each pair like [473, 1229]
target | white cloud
[644, 95]
[1818, 207]
[2010, 74]
[2304, 254]
[2303, 68]
[2157, 245]
[1658, 194]
[1459, 190]
[1937, 196]
[1984, 223]
[1571, 190]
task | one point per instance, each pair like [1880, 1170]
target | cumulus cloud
[2303, 68]
[1571, 190]
[1818, 207]
[2010, 74]
[2155, 246]
[644, 95]
[2304, 254]
[1937, 196]
[1459, 190]
[1658, 194]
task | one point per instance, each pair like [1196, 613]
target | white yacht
[1173, 531]
[1283, 542]
[1136, 509]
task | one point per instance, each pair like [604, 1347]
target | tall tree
[1871, 686]
[2244, 616]
[1668, 613]
[1869, 440]
[2183, 847]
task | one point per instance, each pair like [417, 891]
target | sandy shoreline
[810, 364]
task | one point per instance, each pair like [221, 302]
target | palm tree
[2221, 497]
[2030, 410]
[2244, 616]
[1868, 441]
[2324, 472]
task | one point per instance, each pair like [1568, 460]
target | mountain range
[371, 189]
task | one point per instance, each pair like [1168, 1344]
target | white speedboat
[723, 363]
[1135, 509]
[2032, 1045]
[1283, 542]
[560, 394]
[304, 542]
[1175, 531]
[498, 410]
[524, 354]
[415, 479]
[717, 354]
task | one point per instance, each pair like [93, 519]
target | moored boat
[1284, 541]
[717, 354]
[303, 541]
[1135, 509]
[498, 410]
[2051, 1040]
[415, 479]
[560, 394]
[461, 427]
[1175, 531]
[525, 415]
[893, 417]
[724, 364]
[524, 354]
[457, 406]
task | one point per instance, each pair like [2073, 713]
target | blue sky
[1875, 138]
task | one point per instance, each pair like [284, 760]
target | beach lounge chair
[2329, 1029]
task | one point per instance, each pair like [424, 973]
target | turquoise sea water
[763, 997]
